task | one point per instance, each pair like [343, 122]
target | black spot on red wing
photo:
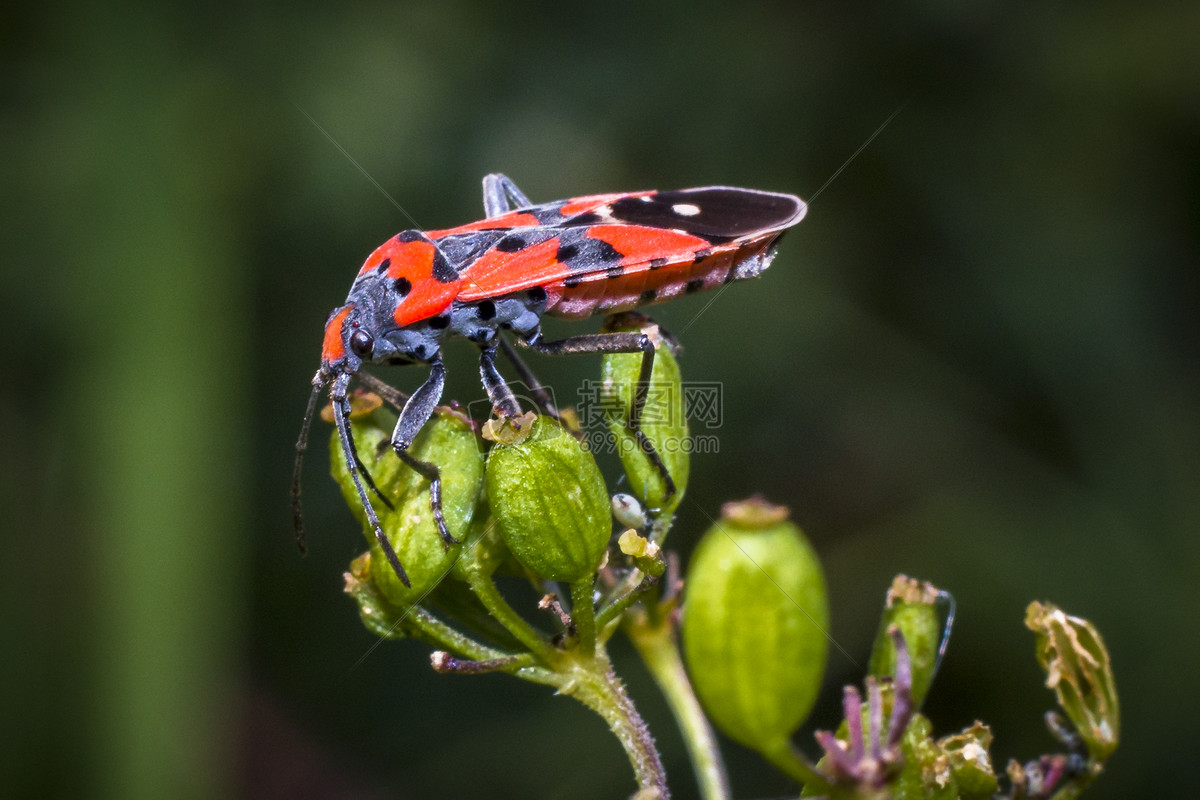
[383, 266]
[725, 213]
[567, 253]
[614, 271]
[512, 243]
[439, 322]
[461, 249]
[589, 218]
[486, 310]
[547, 214]
[605, 251]
[702, 254]
[648, 296]
[694, 285]
[442, 271]
[403, 286]
[572, 281]
[537, 294]
[655, 263]
[406, 237]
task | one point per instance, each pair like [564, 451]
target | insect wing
[609, 236]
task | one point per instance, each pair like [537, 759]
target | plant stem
[658, 649]
[485, 589]
[595, 685]
[784, 757]
[583, 614]
[439, 633]
[630, 594]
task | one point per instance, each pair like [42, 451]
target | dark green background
[975, 361]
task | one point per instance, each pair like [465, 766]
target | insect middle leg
[501, 195]
[540, 396]
[619, 342]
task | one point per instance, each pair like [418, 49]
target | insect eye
[361, 343]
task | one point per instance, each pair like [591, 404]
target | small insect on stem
[496, 278]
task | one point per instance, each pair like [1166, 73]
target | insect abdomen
[648, 285]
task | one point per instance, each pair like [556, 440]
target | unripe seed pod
[550, 502]
[448, 441]
[912, 606]
[664, 420]
[755, 617]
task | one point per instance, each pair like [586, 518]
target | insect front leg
[413, 416]
[619, 343]
[341, 418]
[501, 195]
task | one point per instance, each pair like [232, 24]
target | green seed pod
[1077, 668]
[550, 502]
[911, 606]
[755, 618]
[664, 419]
[377, 614]
[447, 440]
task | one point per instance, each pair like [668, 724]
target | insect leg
[540, 396]
[413, 416]
[391, 395]
[497, 388]
[619, 343]
[319, 382]
[341, 417]
[501, 195]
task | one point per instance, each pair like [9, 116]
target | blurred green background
[975, 361]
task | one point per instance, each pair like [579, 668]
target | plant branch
[583, 614]
[485, 589]
[785, 758]
[595, 685]
[657, 646]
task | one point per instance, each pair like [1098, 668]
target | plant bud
[911, 606]
[448, 441]
[1077, 667]
[550, 502]
[971, 763]
[755, 618]
[663, 420]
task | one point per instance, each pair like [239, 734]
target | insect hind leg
[501, 195]
[620, 342]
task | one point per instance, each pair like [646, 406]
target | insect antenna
[342, 420]
[320, 381]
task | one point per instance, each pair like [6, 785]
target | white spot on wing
[685, 209]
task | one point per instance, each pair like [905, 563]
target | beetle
[497, 277]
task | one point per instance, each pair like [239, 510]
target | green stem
[438, 633]
[623, 602]
[485, 589]
[785, 758]
[659, 651]
[595, 685]
[583, 614]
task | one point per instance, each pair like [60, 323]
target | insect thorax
[477, 321]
